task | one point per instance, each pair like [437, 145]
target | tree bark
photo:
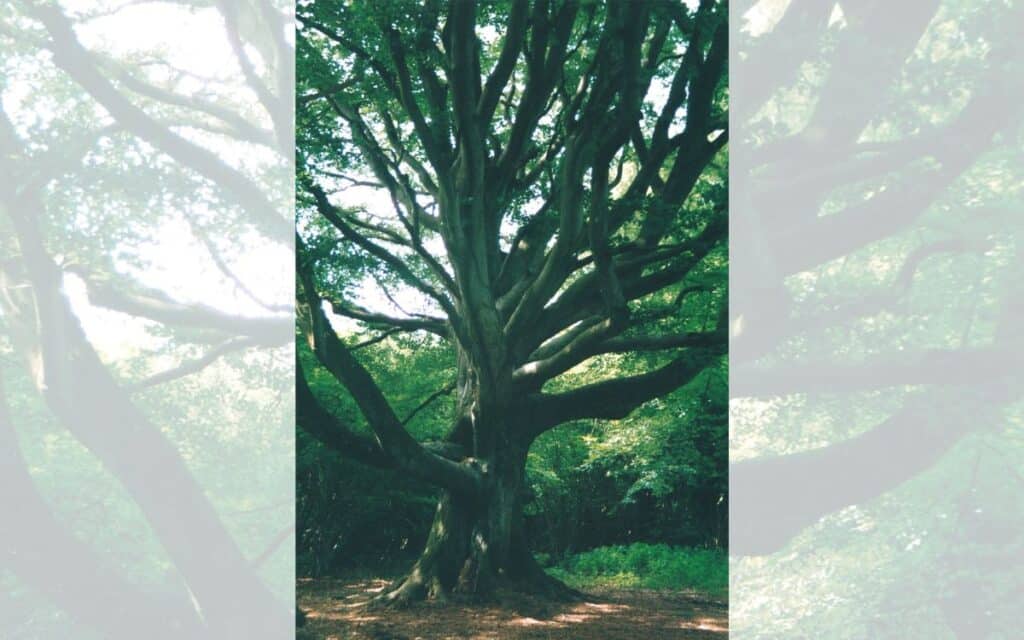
[477, 544]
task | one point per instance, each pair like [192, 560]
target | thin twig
[443, 391]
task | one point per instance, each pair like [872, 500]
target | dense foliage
[648, 566]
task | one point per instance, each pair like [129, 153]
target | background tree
[142, 366]
[556, 177]
[876, 287]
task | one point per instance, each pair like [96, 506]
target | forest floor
[606, 614]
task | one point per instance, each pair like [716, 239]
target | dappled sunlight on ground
[622, 614]
[706, 624]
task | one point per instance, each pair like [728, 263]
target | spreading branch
[615, 399]
[391, 436]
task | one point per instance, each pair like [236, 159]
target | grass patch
[647, 566]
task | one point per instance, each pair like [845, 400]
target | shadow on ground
[622, 614]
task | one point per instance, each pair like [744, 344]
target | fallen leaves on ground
[608, 614]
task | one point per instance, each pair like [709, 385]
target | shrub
[650, 566]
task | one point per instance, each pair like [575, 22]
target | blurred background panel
[875, 278]
[146, 334]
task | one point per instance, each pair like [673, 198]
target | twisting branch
[580, 301]
[374, 340]
[391, 436]
[196, 365]
[548, 46]
[328, 211]
[437, 150]
[514, 39]
[613, 399]
[616, 399]
[159, 307]
[437, 326]
[440, 393]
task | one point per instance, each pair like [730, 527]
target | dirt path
[609, 615]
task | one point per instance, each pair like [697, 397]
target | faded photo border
[146, 319]
[876, 273]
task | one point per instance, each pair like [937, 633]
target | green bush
[649, 566]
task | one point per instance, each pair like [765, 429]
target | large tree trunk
[477, 546]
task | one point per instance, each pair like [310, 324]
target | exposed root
[471, 564]
[409, 592]
[554, 589]
[535, 581]
[415, 589]
[532, 578]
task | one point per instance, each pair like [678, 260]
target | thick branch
[616, 399]
[774, 498]
[659, 343]
[391, 435]
[581, 347]
[196, 365]
[437, 326]
[157, 306]
[318, 422]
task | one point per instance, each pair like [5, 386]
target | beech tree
[554, 184]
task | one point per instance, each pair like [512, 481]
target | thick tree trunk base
[549, 587]
[474, 555]
[528, 578]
